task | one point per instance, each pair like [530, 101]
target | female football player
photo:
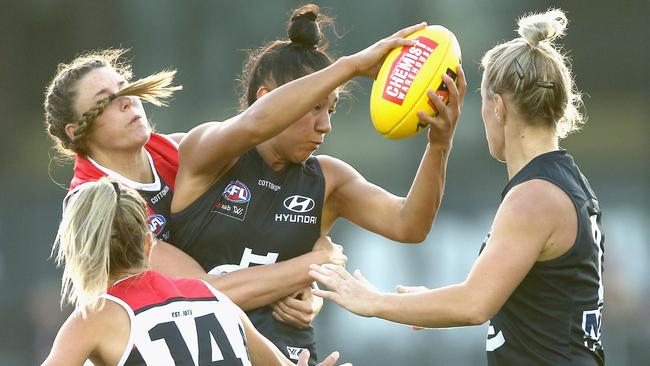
[539, 277]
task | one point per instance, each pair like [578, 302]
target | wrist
[346, 63]
[319, 256]
[380, 306]
[439, 148]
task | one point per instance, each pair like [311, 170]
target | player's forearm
[423, 200]
[171, 261]
[251, 288]
[450, 306]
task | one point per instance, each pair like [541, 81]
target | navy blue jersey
[554, 316]
[254, 215]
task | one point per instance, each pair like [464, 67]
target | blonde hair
[61, 93]
[533, 73]
[102, 232]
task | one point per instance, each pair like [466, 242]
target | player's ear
[261, 91]
[69, 129]
[500, 108]
[149, 241]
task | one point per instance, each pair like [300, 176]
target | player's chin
[303, 156]
[141, 137]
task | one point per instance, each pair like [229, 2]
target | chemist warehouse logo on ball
[234, 201]
[299, 206]
[405, 68]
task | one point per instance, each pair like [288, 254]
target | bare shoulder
[194, 135]
[107, 316]
[327, 161]
[177, 137]
[540, 209]
[335, 167]
[537, 197]
[109, 313]
[91, 333]
[113, 324]
[337, 173]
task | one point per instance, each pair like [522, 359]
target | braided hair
[61, 94]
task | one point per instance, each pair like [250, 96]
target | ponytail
[101, 233]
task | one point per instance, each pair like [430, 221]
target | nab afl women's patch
[234, 201]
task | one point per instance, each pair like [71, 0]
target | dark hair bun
[303, 28]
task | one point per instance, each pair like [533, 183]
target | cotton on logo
[299, 204]
[237, 192]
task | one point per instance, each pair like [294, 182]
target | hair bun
[542, 27]
[303, 28]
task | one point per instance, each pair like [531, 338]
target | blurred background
[206, 41]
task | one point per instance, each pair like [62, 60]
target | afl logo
[299, 204]
[237, 192]
[156, 223]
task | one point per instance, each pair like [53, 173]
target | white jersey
[179, 322]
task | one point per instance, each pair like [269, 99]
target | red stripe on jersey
[165, 157]
[163, 153]
[152, 288]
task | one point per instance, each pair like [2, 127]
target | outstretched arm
[519, 236]
[250, 288]
[208, 150]
[411, 217]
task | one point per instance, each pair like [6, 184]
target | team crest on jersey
[234, 201]
[237, 192]
[156, 223]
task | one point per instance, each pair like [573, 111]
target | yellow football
[400, 90]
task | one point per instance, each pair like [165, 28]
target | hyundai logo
[299, 204]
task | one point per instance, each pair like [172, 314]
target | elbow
[413, 230]
[477, 313]
[475, 319]
[413, 236]
[413, 239]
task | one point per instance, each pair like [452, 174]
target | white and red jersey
[179, 322]
[163, 157]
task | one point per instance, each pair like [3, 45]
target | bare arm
[211, 148]
[99, 335]
[263, 352]
[177, 136]
[411, 217]
[73, 343]
[522, 234]
[253, 287]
